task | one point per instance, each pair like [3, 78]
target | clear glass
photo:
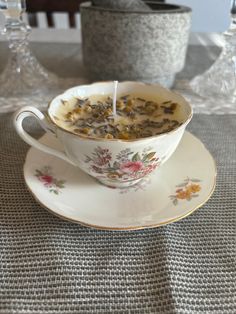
[219, 81]
[24, 80]
[214, 91]
[23, 75]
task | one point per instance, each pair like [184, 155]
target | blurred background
[208, 15]
[58, 21]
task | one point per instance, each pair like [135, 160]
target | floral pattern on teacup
[127, 165]
[186, 191]
[47, 178]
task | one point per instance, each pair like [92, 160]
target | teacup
[114, 162]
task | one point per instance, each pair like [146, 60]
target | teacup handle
[29, 111]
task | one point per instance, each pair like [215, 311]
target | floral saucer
[183, 184]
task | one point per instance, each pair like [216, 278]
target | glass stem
[233, 7]
[17, 33]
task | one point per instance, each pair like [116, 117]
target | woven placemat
[52, 266]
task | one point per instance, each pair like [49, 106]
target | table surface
[51, 266]
[65, 59]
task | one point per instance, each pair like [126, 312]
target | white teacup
[114, 162]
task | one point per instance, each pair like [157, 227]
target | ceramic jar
[148, 46]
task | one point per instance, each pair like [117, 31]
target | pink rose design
[148, 169]
[131, 166]
[46, 179]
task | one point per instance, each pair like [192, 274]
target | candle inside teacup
[124, 116]
[114, 98]
[118, 151]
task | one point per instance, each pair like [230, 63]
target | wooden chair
[49, 7]
[52, 7]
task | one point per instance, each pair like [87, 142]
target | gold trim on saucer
[132, 227]
[120, 228]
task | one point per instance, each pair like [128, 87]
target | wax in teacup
[136, 116]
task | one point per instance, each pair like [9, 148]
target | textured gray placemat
[52, 266]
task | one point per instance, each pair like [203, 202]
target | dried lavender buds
[136, 117]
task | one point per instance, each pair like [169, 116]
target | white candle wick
[114, 97]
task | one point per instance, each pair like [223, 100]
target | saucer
[183, 184]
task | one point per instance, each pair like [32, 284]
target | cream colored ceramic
[113, 162]
[184, 183]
